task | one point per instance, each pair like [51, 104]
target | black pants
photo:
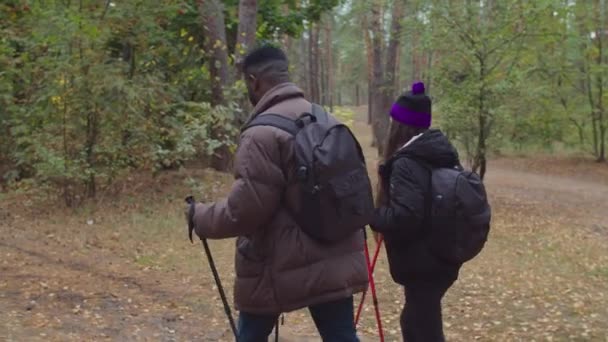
[421, 316]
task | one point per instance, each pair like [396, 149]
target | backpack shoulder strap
[274, 120]
[421, 162]
[428, 196]
[388, 165]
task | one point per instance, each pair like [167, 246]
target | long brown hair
[399, 134]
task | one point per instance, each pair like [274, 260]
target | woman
[411, 151]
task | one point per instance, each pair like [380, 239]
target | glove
[189, 212]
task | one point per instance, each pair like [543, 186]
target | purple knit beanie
[413, 108]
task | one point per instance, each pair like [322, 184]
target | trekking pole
[360, 308]
[216, 276]
[276, 331]
[372, 287]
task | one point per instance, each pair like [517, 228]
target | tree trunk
[245, 37]
[385, 79]
[317, 63]
[321, 60]
[90, 145]
[303, 67]
[600, 82]
[311, 57]
[378, 118]
[329, 72]
[313, 61]
[580, 129]
[586, 79]
[212, 15]
[370, 67]
[92, 124]
[589, 89]
[479, 161]
[288, 43]
[396, 79]
[67, 195]
[338, 89]
[245, 40]
[428, 77]
[393, 51]
[418, 58]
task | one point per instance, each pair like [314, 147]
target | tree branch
[105, 10]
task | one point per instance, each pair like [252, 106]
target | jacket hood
[432, 147]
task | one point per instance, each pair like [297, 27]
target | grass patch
[146, 260]
[599, 272]
[345, 115]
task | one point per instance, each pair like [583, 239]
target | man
[278, 267]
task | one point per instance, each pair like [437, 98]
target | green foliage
[276, 18]
[93, 89]
[344, 114]
[289, 17]
[89, 92]
[518, 75]
[474, 80]
[515, 73]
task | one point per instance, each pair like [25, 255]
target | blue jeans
[334, 320]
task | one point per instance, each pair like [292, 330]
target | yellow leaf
[55, 100]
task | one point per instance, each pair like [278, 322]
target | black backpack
[457, 214]
[336, 193]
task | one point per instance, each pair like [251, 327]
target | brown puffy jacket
[278, 267]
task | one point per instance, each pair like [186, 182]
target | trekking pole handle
[190, 200]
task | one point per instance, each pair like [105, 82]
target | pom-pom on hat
[413, 108]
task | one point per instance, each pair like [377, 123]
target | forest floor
[125, 270]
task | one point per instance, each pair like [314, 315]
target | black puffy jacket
[406, 177]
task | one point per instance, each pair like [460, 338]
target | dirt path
[129, 273]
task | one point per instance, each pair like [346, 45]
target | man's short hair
[264, 59]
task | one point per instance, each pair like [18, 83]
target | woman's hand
[380, 168]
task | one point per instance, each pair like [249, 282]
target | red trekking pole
[372, 287]
[376, 253]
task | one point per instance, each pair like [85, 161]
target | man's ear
[255, 82]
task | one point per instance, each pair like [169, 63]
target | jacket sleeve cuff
[200, 219]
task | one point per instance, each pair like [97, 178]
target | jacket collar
[411, 141]
[277, 94]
